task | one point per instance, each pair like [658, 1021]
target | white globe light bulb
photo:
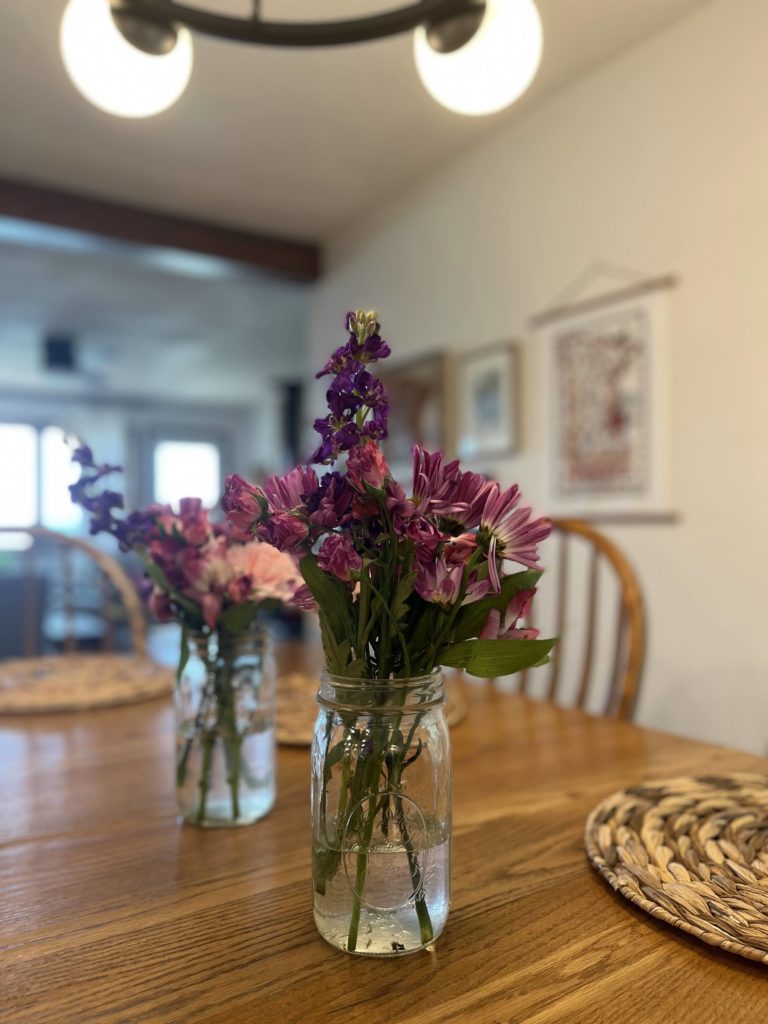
[114, 75]
[493, 68]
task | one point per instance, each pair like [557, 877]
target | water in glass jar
[389, 924]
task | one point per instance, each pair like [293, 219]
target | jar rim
[401, 683]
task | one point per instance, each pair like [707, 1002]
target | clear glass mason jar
[381, 812]
[225, 729]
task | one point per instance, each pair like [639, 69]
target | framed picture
[607, 386]
[417, 409]
[487, 402]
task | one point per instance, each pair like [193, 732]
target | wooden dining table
[113, 912]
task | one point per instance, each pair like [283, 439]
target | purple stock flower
[357, 400]
[101, 505]
[376, 427]
[338, 557]
[84, 456]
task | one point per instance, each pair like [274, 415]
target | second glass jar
[225, 729]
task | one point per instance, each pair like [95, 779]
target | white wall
[658, 161]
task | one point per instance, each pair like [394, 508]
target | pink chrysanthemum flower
[467, 501]
[433, 482]
[288, 493]
[509, 532]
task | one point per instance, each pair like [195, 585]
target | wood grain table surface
[112, 912]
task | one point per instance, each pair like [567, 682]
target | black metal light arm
[321, 33]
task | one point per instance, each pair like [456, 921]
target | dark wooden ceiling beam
[293, 260]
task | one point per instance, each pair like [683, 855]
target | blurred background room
[168, 284]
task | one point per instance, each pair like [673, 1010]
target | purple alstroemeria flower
[400, 508]
[243, 504]
[337, 556]
[284, 531]
[331, 503]
[438, 582]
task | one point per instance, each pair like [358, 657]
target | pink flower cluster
[203, 565]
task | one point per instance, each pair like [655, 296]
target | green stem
[226, 726]
[232, 749]
[399, 632]
[422, 911]
[362, 619]
[362, 867]
[207, 743]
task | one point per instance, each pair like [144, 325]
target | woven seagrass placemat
[692, 852]
[73, 682]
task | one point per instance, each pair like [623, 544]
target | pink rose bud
[366, 466]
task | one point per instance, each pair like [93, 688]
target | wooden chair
[626, 653]
[119, 601]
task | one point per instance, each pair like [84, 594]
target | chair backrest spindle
[629, 649]
[113, 581]
[560, 615]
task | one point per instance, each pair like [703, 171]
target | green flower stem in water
[207, 743]
[232, 754]
[422, 911]
[220, 693]
[370, 771]
[362, 868]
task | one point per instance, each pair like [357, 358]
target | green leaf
[490, 658]
[400, 606]
[183, 652]
[157, 576]
[332, 651]
[238, 618]
[332, 596]
[472, 617]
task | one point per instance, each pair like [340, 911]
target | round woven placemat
[297, 708]
[692, 852]
[73, 682]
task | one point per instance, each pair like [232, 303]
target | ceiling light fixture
[133, 58]
[126, 65]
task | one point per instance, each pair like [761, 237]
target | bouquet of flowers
[214, 582]
[403, 582]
